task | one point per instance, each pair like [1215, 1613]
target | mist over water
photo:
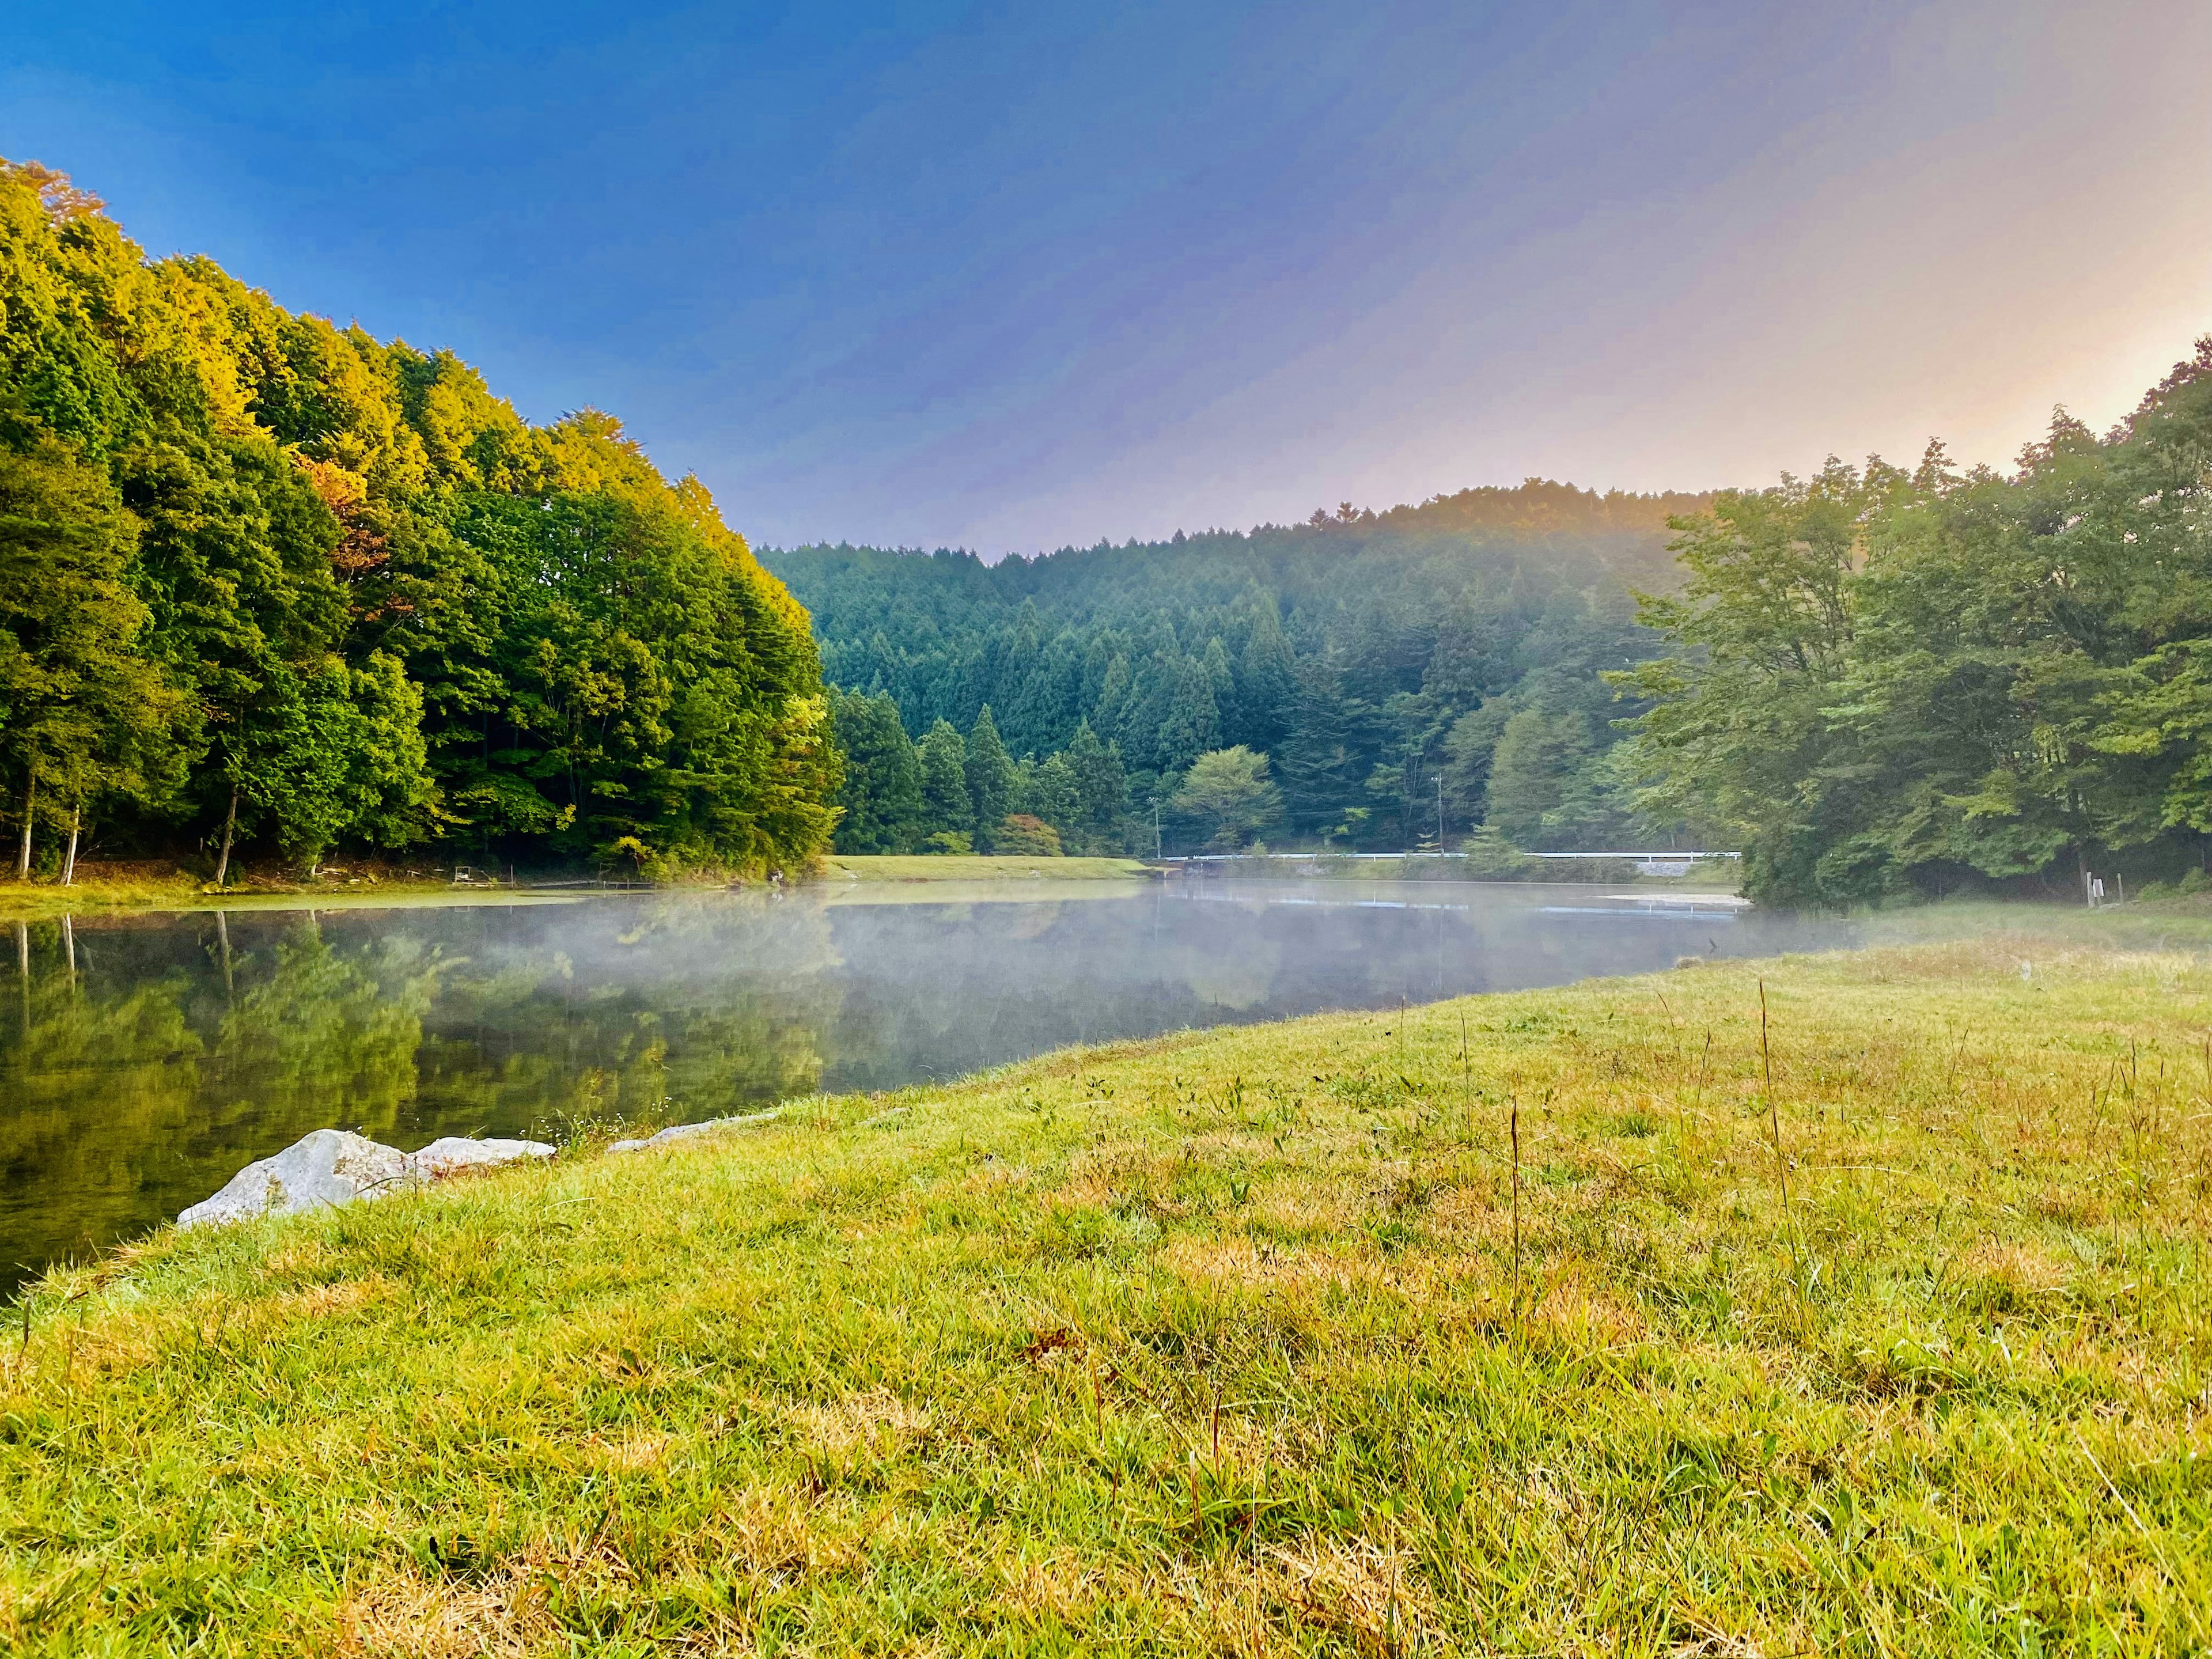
[144, 1060]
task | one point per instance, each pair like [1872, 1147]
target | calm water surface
[144, 1059]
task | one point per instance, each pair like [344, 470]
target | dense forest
[269, 583]
[1363, 680]
[1882, 683]
[1874, 683]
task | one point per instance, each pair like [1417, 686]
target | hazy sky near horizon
[1014, 277]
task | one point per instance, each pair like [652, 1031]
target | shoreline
[1273, 1307]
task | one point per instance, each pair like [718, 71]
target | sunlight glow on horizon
[1014, 281]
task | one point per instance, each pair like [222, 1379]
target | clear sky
[1011, 277]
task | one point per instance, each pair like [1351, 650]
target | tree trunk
[69, 862]
[30, 801]
[229, 827]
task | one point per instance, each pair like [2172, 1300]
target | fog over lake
[143, 1059]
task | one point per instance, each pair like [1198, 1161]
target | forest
[270, 585]
[273, 588]
[1366, 680]
[1874, 683]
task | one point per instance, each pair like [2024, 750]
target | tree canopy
[266, 579]
[1361, 654]
[1883, 682]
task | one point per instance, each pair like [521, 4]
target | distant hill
[1346, 648]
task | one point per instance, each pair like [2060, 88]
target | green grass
[38, 900]
[1222, 1343]
[955, 866]
[35, 901]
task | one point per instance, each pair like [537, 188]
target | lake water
[143, 1059]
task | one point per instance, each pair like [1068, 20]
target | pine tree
[1102, 790]
[943, 756]
[1314, 761]
[1193, 725]
[1055, 795]
[882, 796]
[1266, 681]
[991, 779]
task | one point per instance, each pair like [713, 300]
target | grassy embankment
[1243, 1341]
[149, 889]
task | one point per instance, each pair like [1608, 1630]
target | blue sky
[1015, 276]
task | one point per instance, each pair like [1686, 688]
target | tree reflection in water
[144, 1059]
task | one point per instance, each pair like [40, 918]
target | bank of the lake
[1242, 1340]
[152, 888]
[99, 895]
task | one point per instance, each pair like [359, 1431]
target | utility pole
[1440, 809]
[1157, 855]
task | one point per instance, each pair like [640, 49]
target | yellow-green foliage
[1212, 1344]
[263, 578]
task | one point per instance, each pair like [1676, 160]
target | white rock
[460, 1152]
[329, 1166]
[684, 1131]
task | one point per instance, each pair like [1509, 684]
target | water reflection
[142, 1061]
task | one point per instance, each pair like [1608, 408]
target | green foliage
[1344, 649]
[992, 781]
[1053, 794]
[1026, 835]
[1886, 682]
[944, 781]
[330, 590]
[1228, 795]
[84, 716]
[881, 802]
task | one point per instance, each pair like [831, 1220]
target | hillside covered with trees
[1354, 662]
[1883, 682]
[268, 583]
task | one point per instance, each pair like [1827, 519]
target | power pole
[1440, 809]
[1157, 855]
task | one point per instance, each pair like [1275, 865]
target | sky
[1024, 276]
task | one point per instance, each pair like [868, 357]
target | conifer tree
[991, 779]
[1193, 724]
[943, 756]
[882, 795]
[1102, 790]
[1055, 796]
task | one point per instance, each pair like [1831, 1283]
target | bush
[1021, 835]
[950, 840]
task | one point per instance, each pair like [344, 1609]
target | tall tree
[1228, 796]
[944, 755]
[882, 798]
[991, 779]
[82, 715]
[1102, 789]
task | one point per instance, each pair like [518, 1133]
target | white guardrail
[1647, 864]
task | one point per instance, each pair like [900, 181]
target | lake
[145, 1059]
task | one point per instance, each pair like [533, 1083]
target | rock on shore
[335, 1166]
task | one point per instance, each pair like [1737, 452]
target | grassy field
[1882, 1327]
[978, 867]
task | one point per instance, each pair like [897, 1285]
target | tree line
[268, 583]
[1365, 679]
[1883, 682]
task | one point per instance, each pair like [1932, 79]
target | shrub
[1022, 835]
